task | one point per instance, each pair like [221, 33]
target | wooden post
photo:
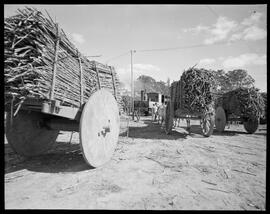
[55, 61]
[11, 111]
[97, 75]
[132, 86]
[113, 81]
[81, 78]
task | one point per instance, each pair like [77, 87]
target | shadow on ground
[152, 130]
[64, 157]
[196, 132]
[228, 133]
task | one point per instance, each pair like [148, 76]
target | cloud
[244, 60]
[236, 36]
[226, 29]
[254, 19]
[78, 38]
[145, 67]
[206, 61]
[196, 30]
[254, 33]
[220, 30]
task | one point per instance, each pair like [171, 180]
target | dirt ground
[149, 170]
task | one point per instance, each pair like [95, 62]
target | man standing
[154, 112]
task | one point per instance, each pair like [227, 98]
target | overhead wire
[180, 47]
[115, 57]
[212, 10]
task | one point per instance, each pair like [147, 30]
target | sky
[167, 39]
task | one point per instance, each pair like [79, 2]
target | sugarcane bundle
[244, 102]
[193, 92]
[35, 49]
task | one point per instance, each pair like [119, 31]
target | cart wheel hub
[105, 130]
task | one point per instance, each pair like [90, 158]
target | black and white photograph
[135, 106]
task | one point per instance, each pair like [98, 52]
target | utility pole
[132, 86]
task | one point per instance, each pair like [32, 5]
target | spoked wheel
[27, 136]
[99, 128]
[207, 125]
[220, 119]
[169, 118]
[251, 125]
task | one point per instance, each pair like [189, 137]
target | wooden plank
[113, 82]
[62, 111]
[81, 80]
[98, 79]
[55, 62]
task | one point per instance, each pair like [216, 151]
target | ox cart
[176, 109]
[34, 129]
[50, 87]
[244, 105]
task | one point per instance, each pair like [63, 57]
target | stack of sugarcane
[35, 49]
[193, 93]
[244, 102]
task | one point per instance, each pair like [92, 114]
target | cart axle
[62, 124]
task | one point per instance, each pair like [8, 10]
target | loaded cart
[191, 98]
[243, 104]
[50, 86]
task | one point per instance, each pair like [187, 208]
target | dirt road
[149, 170]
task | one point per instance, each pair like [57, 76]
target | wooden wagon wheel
[27, 136]
[251, 125]
[99, 128]
[220, 120]
[207, 124]
[169, 118]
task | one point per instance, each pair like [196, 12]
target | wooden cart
[228, 109]
[35, 127]
[175, 109]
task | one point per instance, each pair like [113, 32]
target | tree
[162, 88]
[149, 84]
[127, 100]
[239, 78]
[227, 81]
